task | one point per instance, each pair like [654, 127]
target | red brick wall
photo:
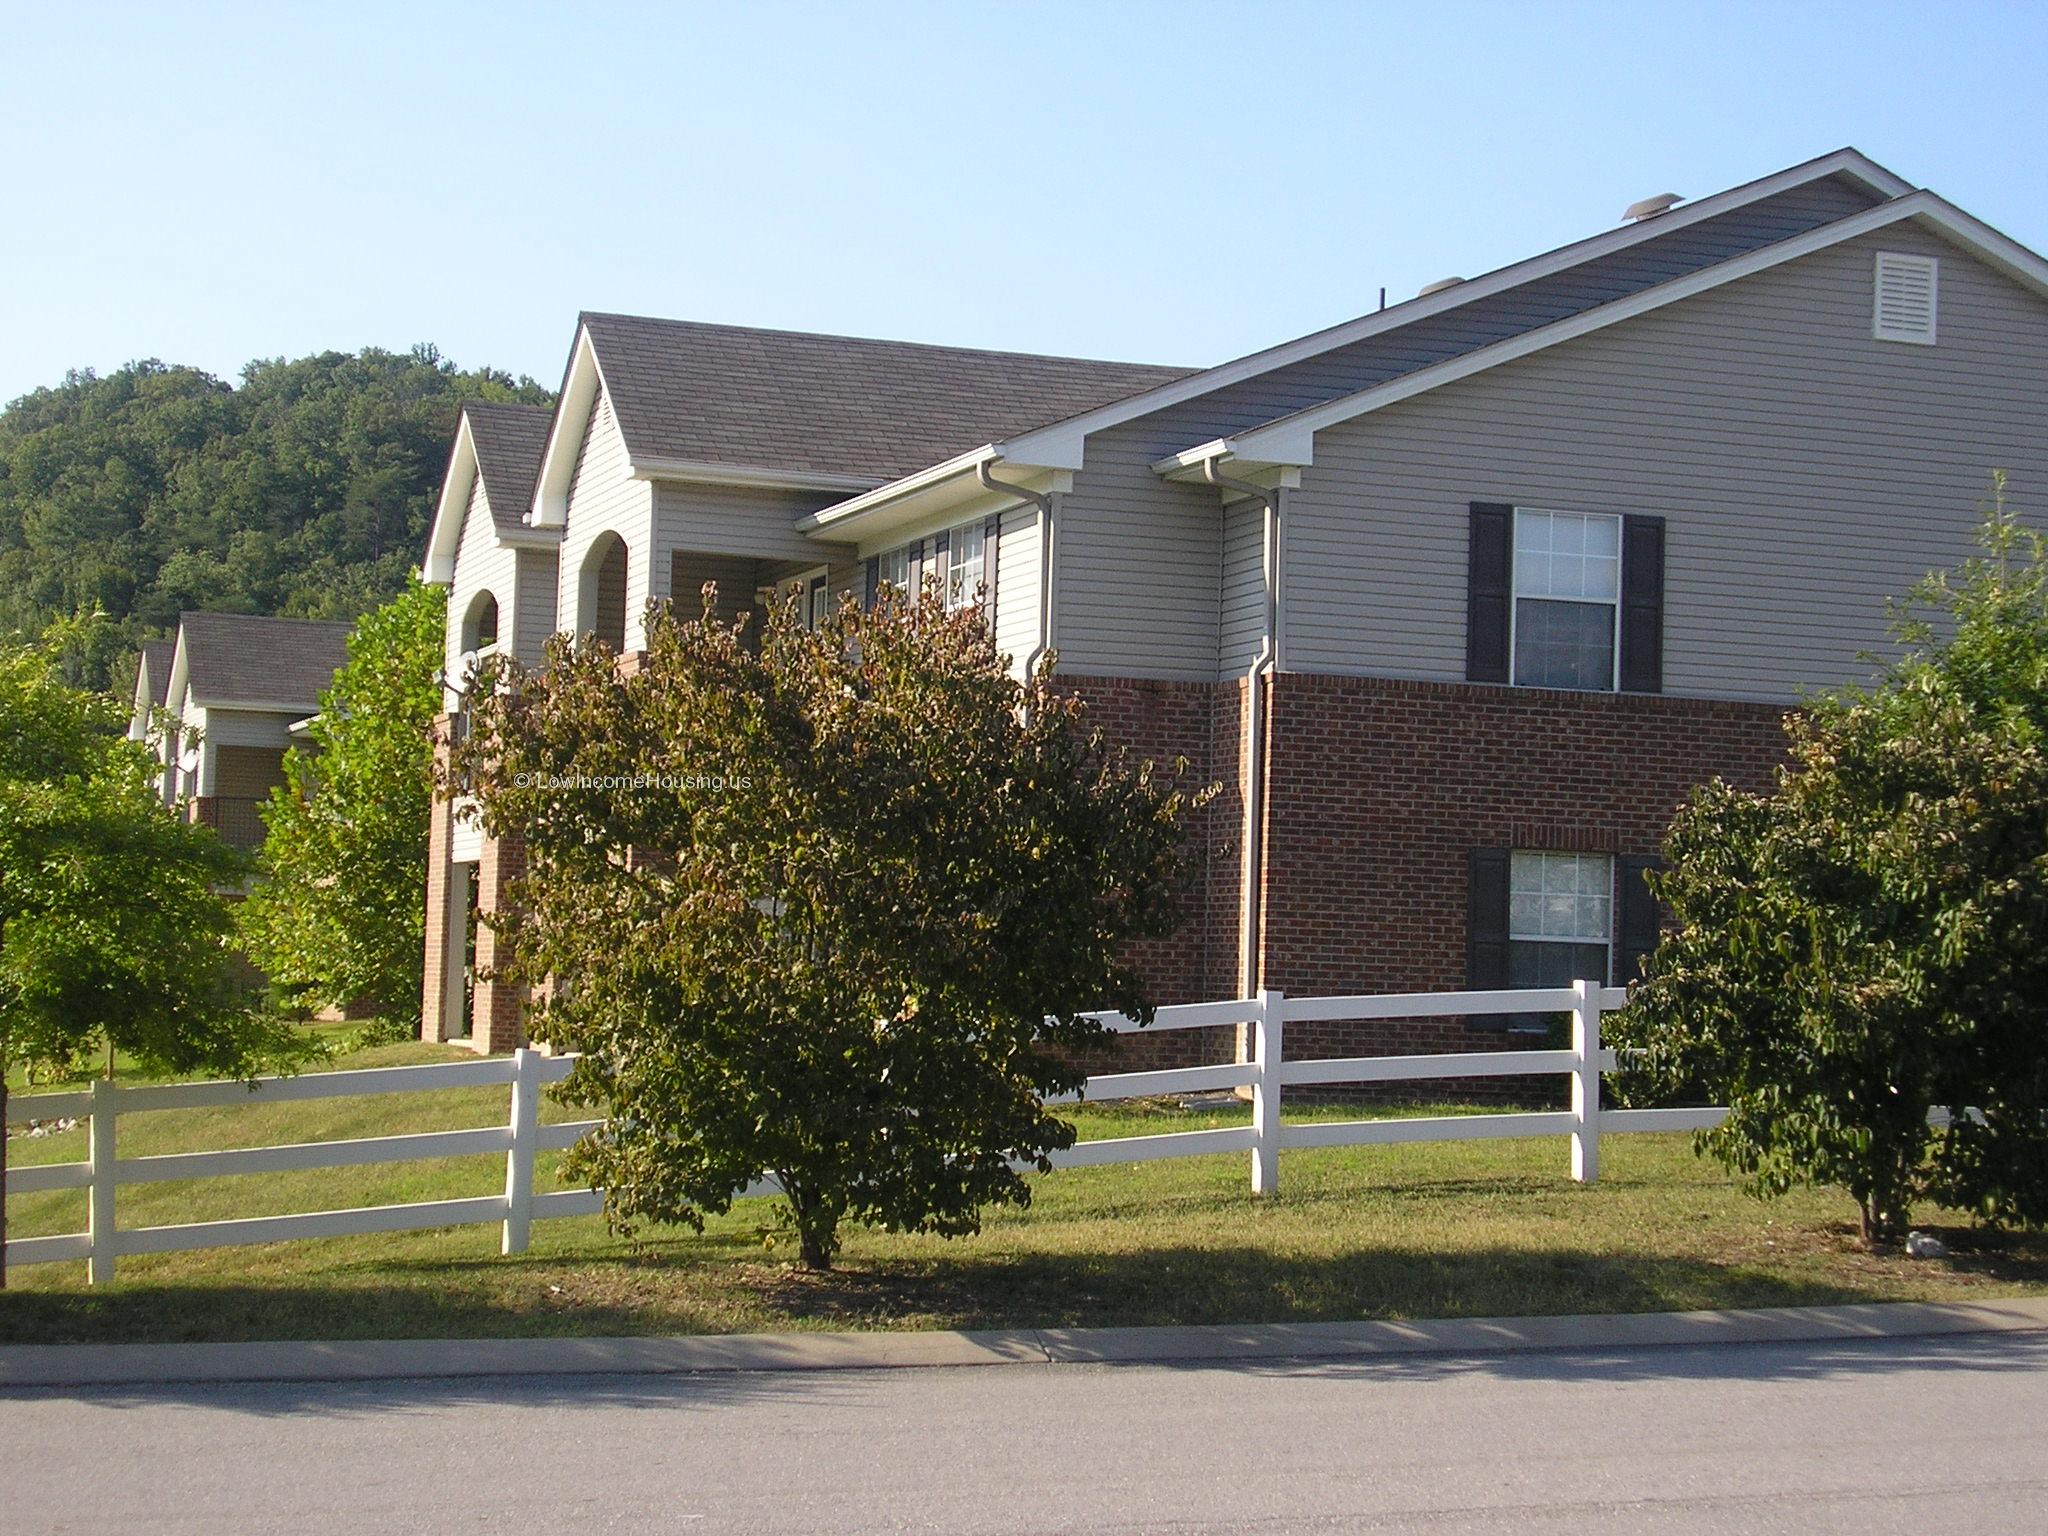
[434, 1021]
[1379, 788]
[1376, 790]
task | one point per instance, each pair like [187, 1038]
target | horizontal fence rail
[1266, 1074]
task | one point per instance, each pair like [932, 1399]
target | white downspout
[1044, 502]
[1250, 971]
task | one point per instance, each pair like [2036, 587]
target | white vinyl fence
[1268, 1074]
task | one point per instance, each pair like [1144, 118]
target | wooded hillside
[306, 490]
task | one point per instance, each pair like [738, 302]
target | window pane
[963, 577]
[1562, 896]
[1564, 645]
[1568, 555]
[1533, 963]
[894, 569]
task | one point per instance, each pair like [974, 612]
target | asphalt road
[1912, 1435]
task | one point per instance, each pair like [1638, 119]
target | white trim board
[1291, 439]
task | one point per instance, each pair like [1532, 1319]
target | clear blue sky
[1165, 183]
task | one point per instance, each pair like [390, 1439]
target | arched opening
[480, 624]
[604, 590]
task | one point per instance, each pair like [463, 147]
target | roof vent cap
[1650, 207]
[1438, 286]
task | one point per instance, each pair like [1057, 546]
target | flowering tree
[827, 904]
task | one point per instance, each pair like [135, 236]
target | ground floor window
[1560, 918]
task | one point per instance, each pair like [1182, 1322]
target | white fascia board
[1291, 440]
[704, 472]
[897, 490]
[565, 435]
[929, 500]
[1061, 443]
[452, 509]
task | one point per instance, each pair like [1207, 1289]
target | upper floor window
[964, 566]
[1567, 599]
[1564, 599]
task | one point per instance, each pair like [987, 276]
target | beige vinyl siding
[736, 576]
[1244, 585]
[1807, 472]
[1017, 584]
[537, 574]
[604, 497]
[1139, 568]
[736, 520]
[482, 564]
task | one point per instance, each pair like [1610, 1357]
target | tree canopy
[336, 916]
[1864, 945]
[306, 491]
[829, 906]
[113, 928]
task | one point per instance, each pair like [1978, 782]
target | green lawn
[1474, 1229]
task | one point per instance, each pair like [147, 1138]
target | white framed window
[892, 569]
[1560, 918]
[1566, 618]
[964, 566]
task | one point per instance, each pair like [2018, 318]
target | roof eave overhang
[452, 509]
[1192, 466]
[705, 472]
[951, 488]
[580, 386]
[293, 707]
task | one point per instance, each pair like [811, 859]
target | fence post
[1267, 1037]
[1585, 1080]
[99, 1264]
[519, 1156]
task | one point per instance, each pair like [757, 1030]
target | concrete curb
[81, 1365]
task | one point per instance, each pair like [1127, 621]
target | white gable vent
[1904, 306]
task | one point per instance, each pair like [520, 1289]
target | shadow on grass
[675, 1289]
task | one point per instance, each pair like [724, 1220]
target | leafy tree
[306, 491]
[1865, 944]
[829, 905]
[336, 916]
[112, 926]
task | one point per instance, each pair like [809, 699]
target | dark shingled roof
[725, 394]
[246, 658]
[509, 441]
[156, 659]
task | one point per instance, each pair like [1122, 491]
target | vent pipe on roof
[1438, 286]
[1650, 207]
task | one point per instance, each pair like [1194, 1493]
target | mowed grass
[1486, 1228]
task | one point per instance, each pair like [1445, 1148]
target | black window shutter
[1486, 921]
[1490, 564]
[1642, 604]
[1640, 917]
[872, 579]
[991, 542]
